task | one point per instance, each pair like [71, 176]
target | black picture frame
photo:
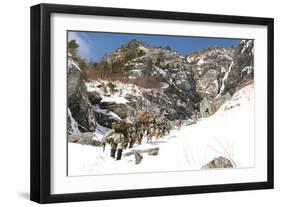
[41, 102]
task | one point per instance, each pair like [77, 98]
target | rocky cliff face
[219, 72]
[210, 67]
[243, 66]
[80, 111]
[158, 80]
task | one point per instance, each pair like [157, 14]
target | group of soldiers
[126, 134]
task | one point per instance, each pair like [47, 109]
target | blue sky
[94, 45]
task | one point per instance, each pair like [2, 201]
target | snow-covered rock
[86, 138]
[105, 117]
[219, 162]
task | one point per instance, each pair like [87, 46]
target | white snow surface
[229, 133]
[118, 97]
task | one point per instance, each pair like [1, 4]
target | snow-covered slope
[118, 96]
[228, 133]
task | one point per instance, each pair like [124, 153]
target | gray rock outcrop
[86, 138]
[220, 162]
[78, 100]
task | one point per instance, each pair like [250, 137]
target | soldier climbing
[125, 134]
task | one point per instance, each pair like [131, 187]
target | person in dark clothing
[119, 151]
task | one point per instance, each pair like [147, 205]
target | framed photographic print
[133, 103]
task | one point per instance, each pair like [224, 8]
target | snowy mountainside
[158, 80]
[228, 133]
[157, 68]
[202, 80]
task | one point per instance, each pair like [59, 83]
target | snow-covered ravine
[224, 79]
[228, 133]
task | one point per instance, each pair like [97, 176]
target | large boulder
[121, 109]
[94, 97]
[106, 117]
[220, 162]
[87, 138]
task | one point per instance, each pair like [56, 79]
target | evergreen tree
[72, 47]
